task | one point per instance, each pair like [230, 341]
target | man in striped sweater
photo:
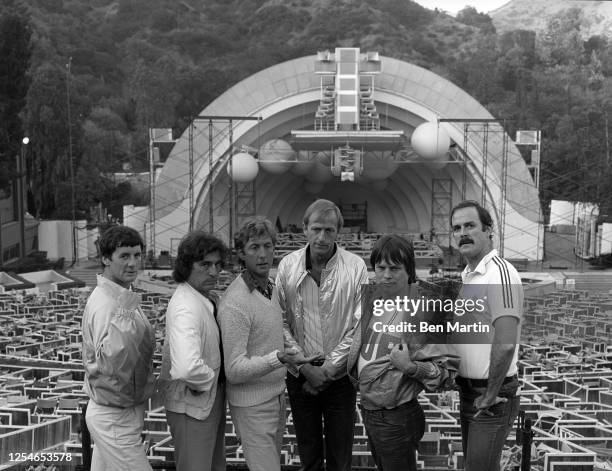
[487, 379]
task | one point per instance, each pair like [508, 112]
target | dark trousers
[394, 435]
[331, 413]
[483, 437]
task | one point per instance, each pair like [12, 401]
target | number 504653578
[42, 457]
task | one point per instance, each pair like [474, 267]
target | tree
[15, 53]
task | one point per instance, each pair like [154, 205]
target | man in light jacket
[191, 379]
[319, 289]
[389, 365]
[118, 345]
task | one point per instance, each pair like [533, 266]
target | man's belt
[479, 383]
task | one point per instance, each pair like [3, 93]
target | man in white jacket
[191, 380]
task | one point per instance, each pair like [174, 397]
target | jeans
[483, 437]
[331, 412]
[394, 435]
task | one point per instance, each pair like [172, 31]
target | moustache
[465, 240]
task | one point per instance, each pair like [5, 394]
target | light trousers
[260, 429]
[116, 434]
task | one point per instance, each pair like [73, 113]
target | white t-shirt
[498, 283]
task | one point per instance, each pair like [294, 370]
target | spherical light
[304, 163]
[321, 170]
[276, 156]
[380, 185]
[26, 140]
[379, 165]
[313, 188]
[244, 168]
[430, 141]
[323, 158]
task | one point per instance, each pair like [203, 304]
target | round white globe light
[276, 156]
[313, 187]
[320, 171]
[26, 140]
[244, 168]
[303, 164]
[430, 141]
[379, 165]
[380, 185]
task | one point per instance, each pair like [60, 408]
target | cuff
[424, 370]
[273, 361]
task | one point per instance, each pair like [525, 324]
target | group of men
[309, 332]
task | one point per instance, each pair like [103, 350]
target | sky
[453, 6]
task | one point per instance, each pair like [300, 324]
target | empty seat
[45, 405]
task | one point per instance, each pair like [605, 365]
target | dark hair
[323, 206]
[118, 236]
[193, 248]
[485, 217]
[395, 249]
[255, 226]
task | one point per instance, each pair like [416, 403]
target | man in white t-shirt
[487, 379]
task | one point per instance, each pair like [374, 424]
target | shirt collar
[309, 259]
[481, 268]
[253, 283]
[124, 296]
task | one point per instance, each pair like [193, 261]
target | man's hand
[309, 389]
[400, 359]
[483, 403]
[292, 356]
[315, 376]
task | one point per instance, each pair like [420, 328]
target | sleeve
[184, 337]
[281, 296]
[235, 327]
[504, 290]
[337, 359]
[436, 368]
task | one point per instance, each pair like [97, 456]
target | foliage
[15, 52]
[137, 64]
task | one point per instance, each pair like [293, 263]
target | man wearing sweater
[252, 335]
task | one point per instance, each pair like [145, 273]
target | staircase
[600, 282]
[86, 273]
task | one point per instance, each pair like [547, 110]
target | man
[191, 379]
[252, 332]
[118, 345]
[488, 370]
[320, 292]
[391, 366]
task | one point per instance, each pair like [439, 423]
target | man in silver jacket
[319, 290]
[118, 345]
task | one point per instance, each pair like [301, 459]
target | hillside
[534, 14]
[131, 65]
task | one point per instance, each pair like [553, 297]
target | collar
[309, 259]
[253, 283]
[481, 268]
[125, 297]
[197, 294]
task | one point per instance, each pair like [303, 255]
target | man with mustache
[487, 378]
[320, 292]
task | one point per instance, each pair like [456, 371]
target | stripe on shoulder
[506, 285]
